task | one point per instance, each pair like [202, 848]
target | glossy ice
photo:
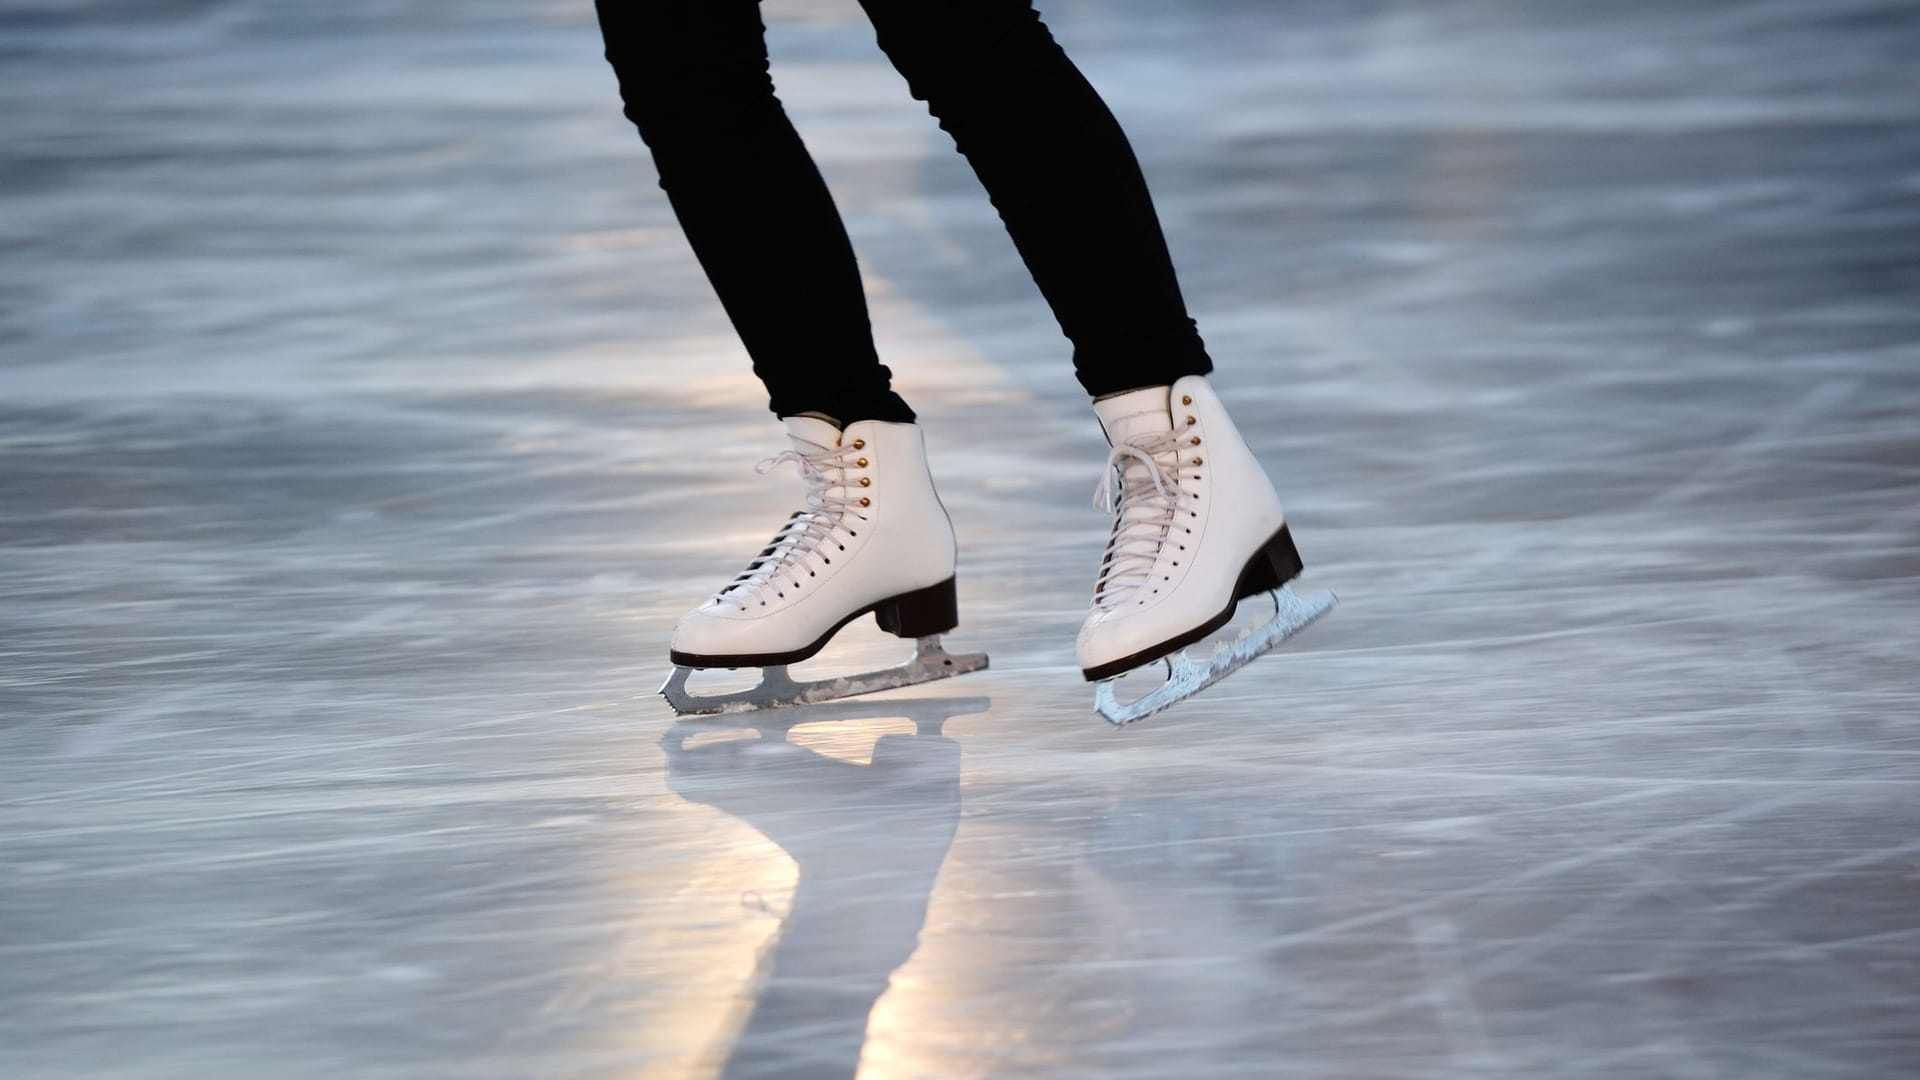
[364, 425]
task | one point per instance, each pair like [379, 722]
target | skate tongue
[811, 435]
[1136, 412]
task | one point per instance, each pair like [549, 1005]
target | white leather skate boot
[872, 538]
[1197, 526]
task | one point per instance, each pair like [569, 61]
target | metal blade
[1292, 613]
[777, 689]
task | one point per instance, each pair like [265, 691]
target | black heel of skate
[1276, 563]
[932, 610]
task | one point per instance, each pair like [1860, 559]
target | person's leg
[694, 77]
[1062, 175]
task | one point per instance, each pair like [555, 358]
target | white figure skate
[873, 538]
[1197, 527]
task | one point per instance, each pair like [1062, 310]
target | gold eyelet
[860, 444]
[866, 481]
[1191, 421]
[1186, 399]
[862, 463]
[1196, 440]
[1197, 461]
[864, 501]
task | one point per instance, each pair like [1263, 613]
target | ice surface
[365, 424]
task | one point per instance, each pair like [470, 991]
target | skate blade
[1187, 677]
[931, 661]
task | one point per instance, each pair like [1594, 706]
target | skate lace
[829, 503]
[1145, 503]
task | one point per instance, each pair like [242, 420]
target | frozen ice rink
[365, 424]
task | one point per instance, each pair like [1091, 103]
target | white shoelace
[1145, 513]
[828, 505]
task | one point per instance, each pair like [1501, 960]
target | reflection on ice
[867, 841]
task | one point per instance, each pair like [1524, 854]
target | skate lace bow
[1145, 502]
[829, 501]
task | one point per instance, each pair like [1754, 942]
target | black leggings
[694, 76]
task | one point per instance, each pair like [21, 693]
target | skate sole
[1276, 563]
[778, 689]
[1186, 676]
[916, 614]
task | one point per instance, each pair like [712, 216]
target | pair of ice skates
[1197, 527]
